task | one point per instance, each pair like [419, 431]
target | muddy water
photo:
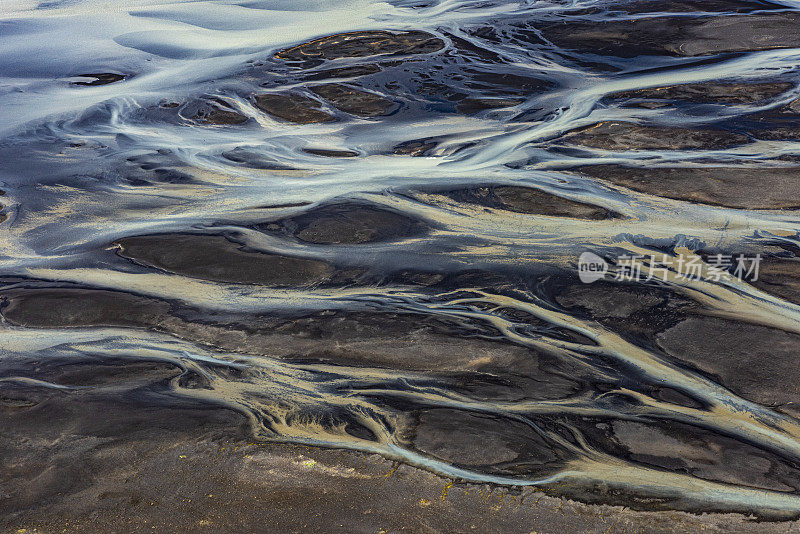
[357, 224]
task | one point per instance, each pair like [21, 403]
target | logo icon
[591, 267]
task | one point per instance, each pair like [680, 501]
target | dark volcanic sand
[679, 37]
[618, 136]
[779, 187]
[112, 458]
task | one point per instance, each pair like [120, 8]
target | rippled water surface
[357, 223]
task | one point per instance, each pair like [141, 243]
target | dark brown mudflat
[710, 92]
[416, 147]
[778, 187]
[293, 107]
[674, 446]
[354, 101]
[678, 36]
[636, 311]
[61, 307]
[690, 6]
[725, 350]
[361, 44]
[212, 257]
[628, 136]
[219, 113]
[254, 159]
[475, 105]
[531, 201]
[777, 124]
[496, 444]
[347, 223]
[328, 153]
[780, 277]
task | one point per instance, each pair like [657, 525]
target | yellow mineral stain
[392, 471]
[446, 489]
